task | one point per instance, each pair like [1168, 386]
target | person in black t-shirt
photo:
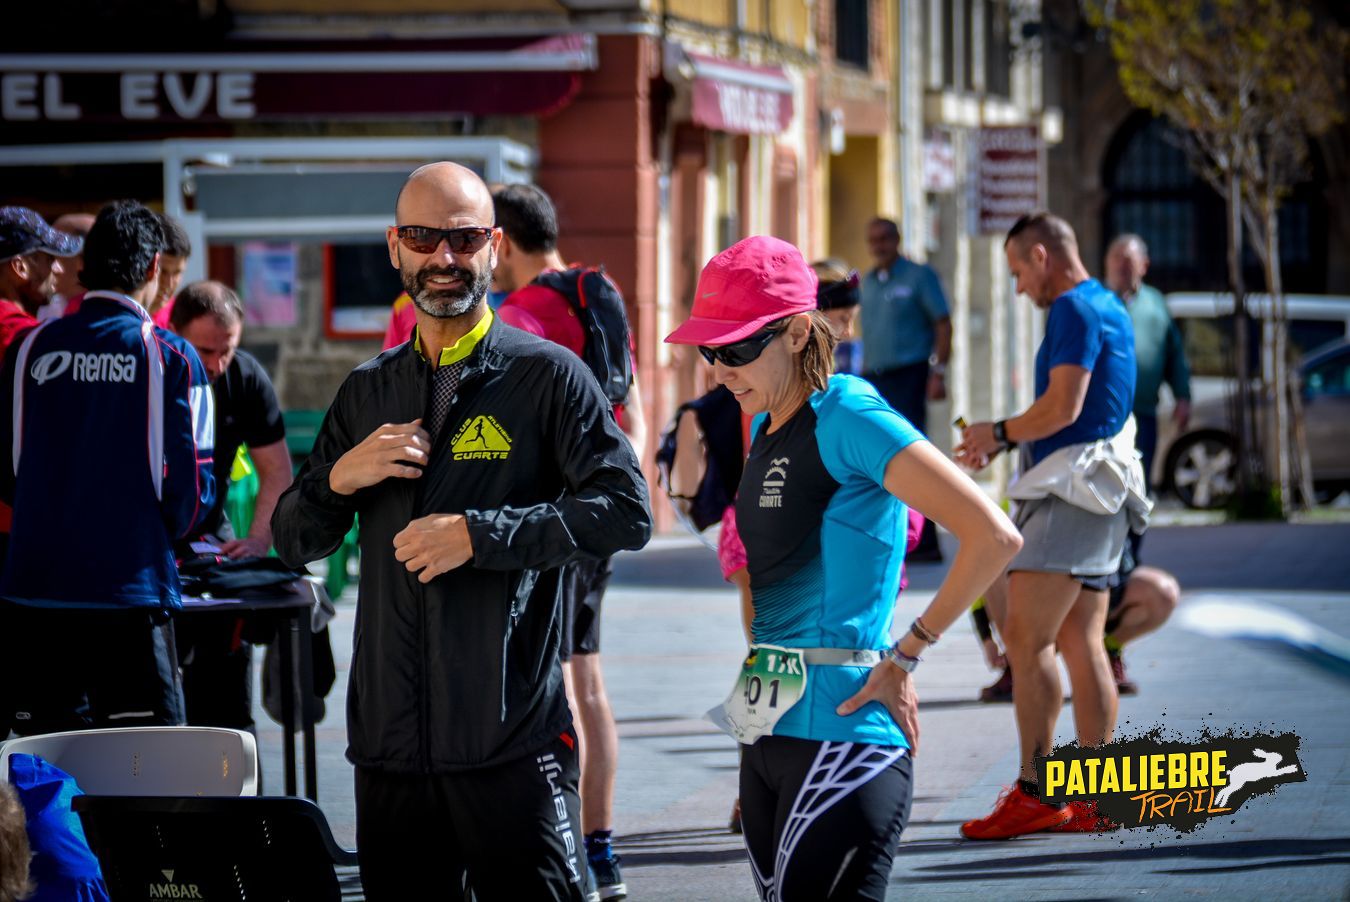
[216, 661]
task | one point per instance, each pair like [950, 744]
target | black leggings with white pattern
[822, 820]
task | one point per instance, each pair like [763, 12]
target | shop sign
[740, 98]
[737, 108]
[133, 96]
[1009, 178]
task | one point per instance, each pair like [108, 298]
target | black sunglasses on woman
[747, 350]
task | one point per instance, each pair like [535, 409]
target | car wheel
[1202, 470]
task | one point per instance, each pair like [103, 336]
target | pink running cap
[749, 285]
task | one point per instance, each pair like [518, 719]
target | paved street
[672, 643]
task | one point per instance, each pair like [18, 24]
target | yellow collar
[462, 348]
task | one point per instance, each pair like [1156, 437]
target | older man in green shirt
[1158, 347]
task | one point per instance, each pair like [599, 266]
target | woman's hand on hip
[893, 688]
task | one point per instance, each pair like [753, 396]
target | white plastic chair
[148, 761]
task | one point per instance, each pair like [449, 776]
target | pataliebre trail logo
[480, 438]
[1152, 782]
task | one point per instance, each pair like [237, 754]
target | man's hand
[434, 545]
[1181, 414]
[391, 450]
[978, 446]
[937, 387]
[892, 687]
[249, 546]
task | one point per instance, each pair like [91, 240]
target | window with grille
[1153, 192]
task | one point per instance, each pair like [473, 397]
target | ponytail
[817, 358]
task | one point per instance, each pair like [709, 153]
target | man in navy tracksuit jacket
[105, 454]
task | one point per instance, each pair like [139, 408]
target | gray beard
[443, 307]
[446, 306]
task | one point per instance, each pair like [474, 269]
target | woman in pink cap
[825, 702]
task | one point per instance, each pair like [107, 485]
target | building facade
[1119, 169]
[665, 130]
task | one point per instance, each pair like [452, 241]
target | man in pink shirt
[68, 282]
[402, 318]
[177, 250]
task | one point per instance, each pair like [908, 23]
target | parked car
[1206, 323]
[1200, 464]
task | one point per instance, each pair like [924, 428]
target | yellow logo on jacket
[481, 438]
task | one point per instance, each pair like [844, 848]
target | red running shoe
[1015, 814]
[1085, 819]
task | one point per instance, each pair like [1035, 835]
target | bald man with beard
[480, 460]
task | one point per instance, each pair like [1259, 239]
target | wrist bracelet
[930, 636]
[923, 633]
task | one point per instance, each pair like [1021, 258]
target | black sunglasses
[747, 350]
[425, 240]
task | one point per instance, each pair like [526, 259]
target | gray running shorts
[1060, 538]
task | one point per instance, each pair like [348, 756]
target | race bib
[771, 681]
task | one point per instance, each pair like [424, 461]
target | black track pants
[509, 832]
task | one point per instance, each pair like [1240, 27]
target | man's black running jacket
[463, 672]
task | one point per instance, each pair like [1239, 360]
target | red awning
[329, 80]
[741, 98]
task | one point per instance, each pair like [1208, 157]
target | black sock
[598, 846]
[1033, 789]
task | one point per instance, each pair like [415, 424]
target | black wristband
[1001, 434]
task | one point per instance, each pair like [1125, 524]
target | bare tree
[1248, 82]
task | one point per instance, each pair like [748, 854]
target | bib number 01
[771, 681]
[754, 689]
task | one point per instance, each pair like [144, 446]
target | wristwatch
[936, 367]
[1001, 434]
[900, 659]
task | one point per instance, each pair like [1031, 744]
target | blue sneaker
[609, 879]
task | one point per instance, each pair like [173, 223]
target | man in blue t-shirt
[1057, 589]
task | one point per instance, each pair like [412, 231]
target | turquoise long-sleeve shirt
[1159, 351]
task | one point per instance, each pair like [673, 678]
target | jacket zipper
[419, 510]
[423, 691]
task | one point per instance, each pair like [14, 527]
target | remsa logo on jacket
[480, 438]
[84, 367]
